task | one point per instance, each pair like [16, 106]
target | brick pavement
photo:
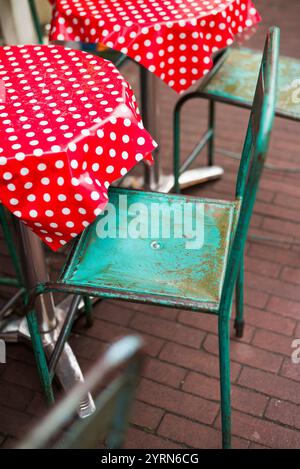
[177, 403]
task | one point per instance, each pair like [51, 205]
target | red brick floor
[178, 399]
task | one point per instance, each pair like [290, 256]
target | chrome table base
[50, 317]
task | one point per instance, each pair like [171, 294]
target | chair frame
[251, 166]
[208, 137]
[121, 365]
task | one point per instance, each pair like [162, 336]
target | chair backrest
[121, 366]
[253, 156]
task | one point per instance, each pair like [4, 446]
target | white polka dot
[110, 169]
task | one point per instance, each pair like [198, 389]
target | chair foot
[89, 319]
[239, 328]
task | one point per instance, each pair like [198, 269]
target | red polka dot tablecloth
[174, 39]
[69, 127]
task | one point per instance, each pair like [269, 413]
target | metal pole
[150, 114]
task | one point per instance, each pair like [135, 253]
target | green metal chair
[232, 81]
[117, 373]
[157, 270]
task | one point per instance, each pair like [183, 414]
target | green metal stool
[121, 366]
[162, 271]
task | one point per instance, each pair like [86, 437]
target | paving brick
[275, 253]
[138, 439]
[146, 416]
[194, 434]
[9, 443]
[108, 332]
[16, 400]
[209, 323]
[290, 370]
[255, 298]
[158, 311]
[290, 275]
[168, 330]
[263, 432]
[284, 412]
[285, 307]
[87, 347]
[257, 446]
[116, 312]
[273, 286]
[270, 321]
[242, 399]
[13, 422]
[274, 342]
[297, 331]
[246, 354]
[164, 373]
[22, 374]
[270, 269]
[38, 407]
[195, 360]
[270, 384]
[177, 401]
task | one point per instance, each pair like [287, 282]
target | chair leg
[239, 302]
[40, 356]
[36, 21]
[211, 125]
[224, 361]
[88, 307]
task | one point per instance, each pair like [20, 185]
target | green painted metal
[235, 80]
[36, 21]
[239, 302]
[224, 367]
[12, 282]
[40, 356]
[192, 277]
[116, 374]
[156, 270]
[88, 306]
[206, 139]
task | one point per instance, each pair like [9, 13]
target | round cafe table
[173, 39]
[69, 127]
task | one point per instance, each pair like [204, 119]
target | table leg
[154, 178]
[50, 318]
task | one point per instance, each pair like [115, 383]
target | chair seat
[152, 267]
[235, 80]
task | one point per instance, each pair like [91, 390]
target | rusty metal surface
[159, 266]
